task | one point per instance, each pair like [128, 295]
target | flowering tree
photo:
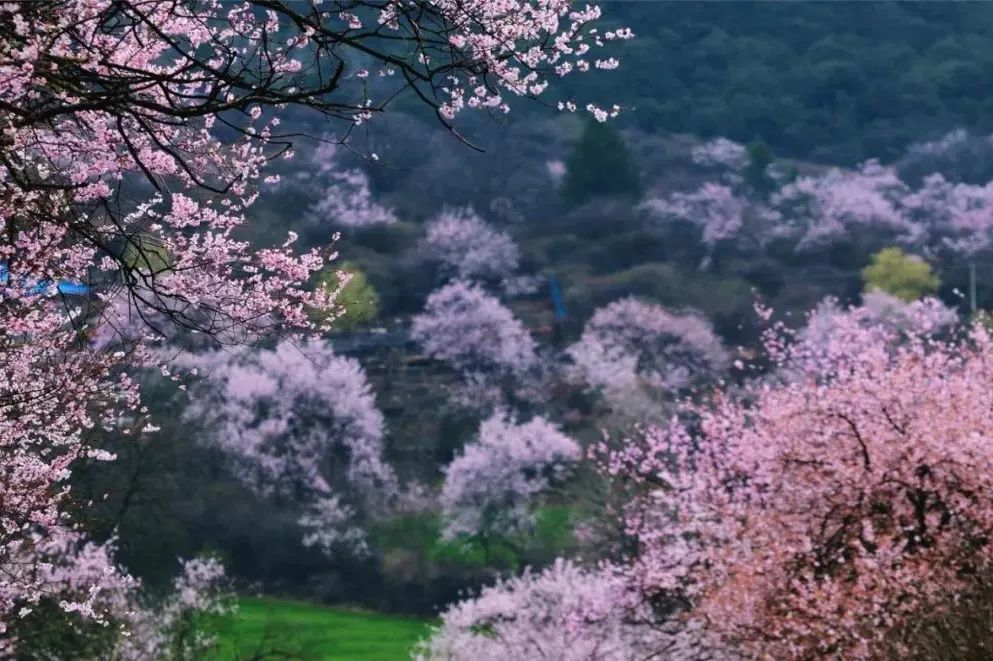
[490, 488]
[829, 321]
[820, 208]
[99, 611]
[52, 395]
[345, 199]
[722, 213]
[467, 247]
[632, 349]
[300, 425]
[81, 585]
[565, 612]
[133, 140]
[173, 627]
[713, 207]
[955, 216]
[720, 154]
[957, 156]
[816, 516]
[476, 335]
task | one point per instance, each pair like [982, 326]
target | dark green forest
[825, 81]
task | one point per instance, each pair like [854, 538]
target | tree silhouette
[600, 164]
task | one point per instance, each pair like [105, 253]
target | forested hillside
[602, 246]
[837, 84]
[661, 333]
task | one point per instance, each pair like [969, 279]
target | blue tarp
[63, 286]
[558, 304]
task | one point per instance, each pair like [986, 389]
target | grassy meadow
[266, 628]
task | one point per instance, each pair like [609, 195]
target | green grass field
[273, 629]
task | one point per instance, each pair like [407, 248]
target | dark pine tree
[600, 164]
[756, 173]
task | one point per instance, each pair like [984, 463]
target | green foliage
[757, 171]
[600, 164]
[554, 527]
[423, 532]
[476, 553]
[412, 544]
[550, 538]
[277, 629]
[358, 298]
[840, 82]
[985, 319]
[52, 633]
[146, 255]
[721, 297]
[419, 537]
[907, 277]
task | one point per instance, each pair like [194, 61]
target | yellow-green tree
[358, 298]
[147, 255]
[908, 277]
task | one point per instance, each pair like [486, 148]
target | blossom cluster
[344, 195]
[300, 423]
[565, 612]
[720, 153]
[817, 209]
[479, 337]
[469, 248]
[101, 601]
[631, 347]
[490, 487]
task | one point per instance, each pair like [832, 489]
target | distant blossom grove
[817, 209]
